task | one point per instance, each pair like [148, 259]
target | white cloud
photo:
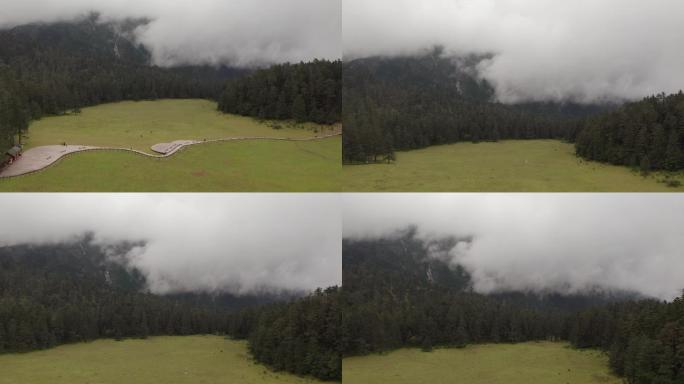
[236, 32]
[567, 243]
[235, 242]
[584, 50]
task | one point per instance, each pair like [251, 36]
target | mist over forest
[539, 242]
[228, 243]
[582, 51]
[240, 33]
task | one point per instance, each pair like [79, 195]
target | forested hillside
[303, 92]
[644, 340]
[14, 115]
[303, 337]
[648, 134]
[48, 69]
[398, 293]
[50, 295]
[405, 103]
[64, 293]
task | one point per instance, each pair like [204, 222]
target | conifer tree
[674, 158]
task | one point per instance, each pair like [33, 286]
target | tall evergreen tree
[657, 121]
[674, 158]
[301, 92]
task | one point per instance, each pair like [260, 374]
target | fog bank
[583, 51]
[237, 243]
[233, 32]
[542, 242]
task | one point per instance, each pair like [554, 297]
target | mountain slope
[401, 292]
[407, 263]
[52, 68]
[648, 134]
[397, 295]
[53, 294]
[403, 103]
[301, 92]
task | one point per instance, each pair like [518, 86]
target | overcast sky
[542, 241]
[238, 32]
[236, 242]
[585, 50]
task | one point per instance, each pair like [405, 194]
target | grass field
[509, 166]
[170, 360]
[540, 363]
[140, 124]
[264, 166]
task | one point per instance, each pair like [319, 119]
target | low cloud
[238, 243]
[542, 242]
[234, 32]
[582, 51]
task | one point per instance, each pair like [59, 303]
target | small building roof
[14, 150]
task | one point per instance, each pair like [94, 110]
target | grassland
[542, 363]
[141, 124]
[268, 166]
[265, 166]
[171, 360]
[509, 166]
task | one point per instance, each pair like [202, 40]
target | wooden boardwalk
[39, 158]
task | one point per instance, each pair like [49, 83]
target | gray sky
[542, 241]
[235, 242]
[584, 50]
[238, 32]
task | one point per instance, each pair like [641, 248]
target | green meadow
[249, 165]
[507, 166]
[540, 363]
[141, 124]
[170, 360]
[262, 166]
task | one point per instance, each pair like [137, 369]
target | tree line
[301, 92]
[394, 297]
[14, 118]
[64, 294]
[644, 339]
[407, 103]
[648, 135]
[398, 296]
[301, 337]
[51, 69]
[58, 294]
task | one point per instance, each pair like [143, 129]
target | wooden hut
[12, 154]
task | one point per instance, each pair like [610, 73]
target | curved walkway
[38, 158]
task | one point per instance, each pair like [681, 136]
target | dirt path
[39, 158]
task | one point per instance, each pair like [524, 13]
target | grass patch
[267, 166]
[508, 166]
[172, 360]
[544, 362]
[141, 124]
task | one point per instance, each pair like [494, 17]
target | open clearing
[507, 166]
[141, 124]
[543, 363]
[172, 360]
[240, 165]
[259, 166]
